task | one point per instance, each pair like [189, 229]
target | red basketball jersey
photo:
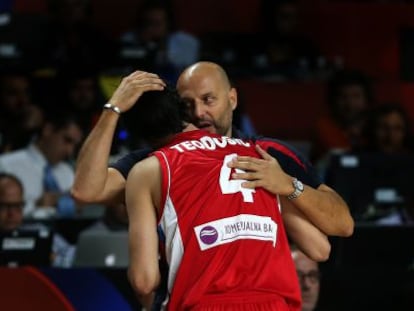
[223, 243]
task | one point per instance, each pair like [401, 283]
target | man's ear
[233, 98]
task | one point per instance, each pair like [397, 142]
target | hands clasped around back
[265, 173]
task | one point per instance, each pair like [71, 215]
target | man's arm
[322, 206]
[94, 181]
[142, 190]
[309, 239]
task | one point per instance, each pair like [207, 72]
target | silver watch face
[298, 185]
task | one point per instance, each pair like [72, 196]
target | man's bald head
[204, 69]
[11, 202]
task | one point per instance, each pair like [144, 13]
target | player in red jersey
[226, 245]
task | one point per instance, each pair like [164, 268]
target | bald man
[309, 278]
[11, 202]
[206, 89]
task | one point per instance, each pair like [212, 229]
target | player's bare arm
[142, 186]
[94, 182]
[309, 239]
[322, 206]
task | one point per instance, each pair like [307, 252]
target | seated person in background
[163, 50]
[11, 202]
[349, 96]
[388, 131]
[43, 166]
[11, 218]
[309, 278]
[20, 119]
[205, 217]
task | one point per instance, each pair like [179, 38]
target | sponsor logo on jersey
[209, 143]
[243, 226]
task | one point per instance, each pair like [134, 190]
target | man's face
[351, 102]
[211, 103]
[286, 19]
[11, 205]
[308, 274]
[60, 145]
[82, 94]
[14, 94]
[155, 24]
[390, 132]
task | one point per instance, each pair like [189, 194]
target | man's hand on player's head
[133, 86]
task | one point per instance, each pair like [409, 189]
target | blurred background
[334, 78]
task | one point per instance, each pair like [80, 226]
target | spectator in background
[11, 218]
[43, 168]
[349, 96]
[309, 278]
[20, 119]
[388, 130]
[11, 202]
[155, 45]
[287, 53]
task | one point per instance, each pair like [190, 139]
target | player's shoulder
[145, 169]
[148, 163]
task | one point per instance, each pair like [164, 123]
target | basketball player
[226, 245]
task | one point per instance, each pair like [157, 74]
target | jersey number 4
[230, 186]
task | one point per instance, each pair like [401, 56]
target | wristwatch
[298, 186]
[112, 107]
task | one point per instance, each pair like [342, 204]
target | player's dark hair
[157, 114]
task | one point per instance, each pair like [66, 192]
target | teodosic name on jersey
[208, 143]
